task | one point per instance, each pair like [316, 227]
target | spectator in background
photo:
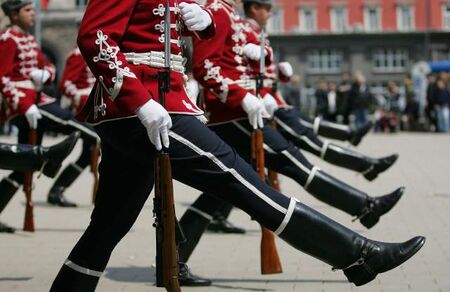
[343, 91]
[321, 95]
[292, 92]
[360, 99]
[442, 102]
[390, 120]
[332, 101]
[430, 106]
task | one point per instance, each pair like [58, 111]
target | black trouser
[199, 159]
[58, 120]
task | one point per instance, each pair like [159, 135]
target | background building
[382, 38]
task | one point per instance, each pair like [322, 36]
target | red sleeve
[206, 59]
[75, 66]
[13, 97]
[253, 39]
[100, 33]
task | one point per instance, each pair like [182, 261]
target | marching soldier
[24, 157]
[220, 66]
[24, 71]
[122, 42]
[287, 118]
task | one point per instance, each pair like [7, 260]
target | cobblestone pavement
[29, 262]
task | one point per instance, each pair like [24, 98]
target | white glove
[253, 52]
[33, 115]
[39, 77]
[270, 104]
[286, 69]
[254, 109]
[157, 122]
[194, 17]
[192, 90]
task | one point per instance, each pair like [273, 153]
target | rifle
[95, 154]
[28, 224]
[163, 203]
[270, 261]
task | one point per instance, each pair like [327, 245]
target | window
[405, 18]
[324, 60]
[372, 18]
[446, 16]
[338, 19]
[276, 21]
[307, 20]
[390, 60]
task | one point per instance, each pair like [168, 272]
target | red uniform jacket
[112, 28]
[20, 55]
[77, 81]
[253, 32]
[220, 67]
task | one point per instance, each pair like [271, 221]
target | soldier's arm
[13, 97]
[209, 32]
[74, 68]
[45, 64]
[100, 32]
[206, 60]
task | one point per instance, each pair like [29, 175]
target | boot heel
[370, 176]
[360, 274]
[369, 220]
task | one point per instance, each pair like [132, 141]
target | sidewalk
[29, 262]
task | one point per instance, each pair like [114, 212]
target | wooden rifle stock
[273, 175]
[270, 260]
[166, 252]
[28, 224]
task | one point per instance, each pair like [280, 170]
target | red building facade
[387, 15]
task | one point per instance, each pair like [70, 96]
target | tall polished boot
[64, 180]
[23, 157]
[344, 157]
[8, 188]
[350, 200]
[71, 280]
[339, 131]
[361, 259]
[220, 221]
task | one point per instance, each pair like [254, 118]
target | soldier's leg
[25, 157]
[62, 121]
[283, 157]
[303, 137]
[334, 130]
[126, 180]
[217, 169]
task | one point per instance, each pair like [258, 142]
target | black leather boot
[64, 180]
[340, 131]
[23, 157]
[361, 259]
[186, 278]
[221, 224]
[69, 280]
[8, 187]
[347, 158]
[6, 229]
[350, 200]
[379, 166]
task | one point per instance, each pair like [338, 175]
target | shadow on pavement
[131, 274]
[15, 279]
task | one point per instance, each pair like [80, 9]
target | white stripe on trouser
[12, 182]
[288, 216]
[324, 149]
[201, 213]
[311, 177]
[306, 123]
[295, 161]
[316, 125]
[77, 167]
[232, 171]
[83, 270]
[293, 133]
[243, 129]
[69, 123]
